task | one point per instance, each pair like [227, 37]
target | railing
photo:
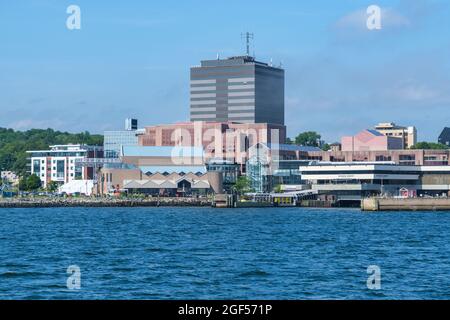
[96, 161]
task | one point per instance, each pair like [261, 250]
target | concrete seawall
[407, 204]
[102, 202]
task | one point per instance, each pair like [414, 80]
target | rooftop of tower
[234, 61]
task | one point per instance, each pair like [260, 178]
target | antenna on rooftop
[247, 36]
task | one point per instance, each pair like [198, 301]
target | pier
[405, 204]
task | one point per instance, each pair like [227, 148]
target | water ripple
[193, 253]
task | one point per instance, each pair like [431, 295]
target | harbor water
[206, 253]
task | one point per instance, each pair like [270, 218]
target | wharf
[405, 204]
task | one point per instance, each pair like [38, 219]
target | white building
[62, 163]
[353, 180]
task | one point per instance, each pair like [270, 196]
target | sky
[132, 59]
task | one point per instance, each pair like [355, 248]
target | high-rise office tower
[237, 89]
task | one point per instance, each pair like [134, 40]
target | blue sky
[132, 58]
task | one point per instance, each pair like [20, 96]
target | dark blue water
[202, 253]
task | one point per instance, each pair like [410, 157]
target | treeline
[310, 139]
[429, 145]
[14, 144]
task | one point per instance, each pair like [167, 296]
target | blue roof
[375, 132]
[141, 151]
[173, 169]
[292, 147]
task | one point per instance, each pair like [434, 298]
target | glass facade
[114, 140]
[60, 164]
[230, 172]
[258, 174]
[37, 167]
[265, 177]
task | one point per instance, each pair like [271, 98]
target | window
[336, 159]
[60, 168]
[407, 157]
[36, 167]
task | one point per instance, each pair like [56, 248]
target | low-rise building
[165, 171]
[407, 134]
[335, 146]
[355, 180]
[62, 163]
[219, 140]
[371, 140]
[174, 184]
[401, 157]
[115, 139]
[270, 165]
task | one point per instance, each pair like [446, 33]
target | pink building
[371, 140]
[224, 140]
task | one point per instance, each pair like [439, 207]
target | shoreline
[367, 205]
[103, 203]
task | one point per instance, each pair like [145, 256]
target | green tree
[14, 144]
[33, 182]
[308, 138]
[325, 147]
[429, 145]
[242, 185]
[23, 184]
[52, 186]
